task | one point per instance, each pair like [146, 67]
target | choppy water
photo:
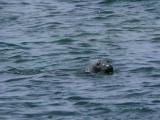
[64, 36]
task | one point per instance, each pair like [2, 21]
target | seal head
[100, 66]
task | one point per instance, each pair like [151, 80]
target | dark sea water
[43, 43]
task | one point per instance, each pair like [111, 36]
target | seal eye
[98, 63]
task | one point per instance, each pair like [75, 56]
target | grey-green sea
[44, 43]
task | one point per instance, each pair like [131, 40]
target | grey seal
[100, 66]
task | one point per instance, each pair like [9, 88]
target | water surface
[44, 43]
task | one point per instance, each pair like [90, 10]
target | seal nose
[109, 69]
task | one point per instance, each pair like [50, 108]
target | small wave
[51, 113]
[3, 3]
[87, 103]
[155, 75]
[156, 101]
[135, 95]
[86, 52]
[15, 80]
[77, 98]
[155, 40]
[82, 103]
[24, 3]
[12, 45]
[106, 12]
[24, 71]
[144, 69]
[107, 1]
[128, 103]
[113, 1]
[65, 41]
[103, 110]
[85, 34]
[138, 110]
[100, 18]
[156, 85]
[132, 21]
